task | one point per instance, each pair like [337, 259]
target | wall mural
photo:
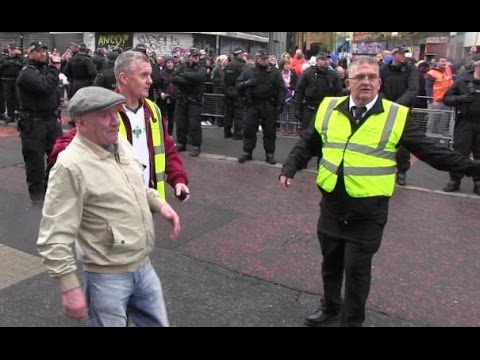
[165, 43]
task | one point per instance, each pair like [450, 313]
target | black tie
[358, 113]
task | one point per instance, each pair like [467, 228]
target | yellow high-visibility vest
[368, 155]
[156, 128]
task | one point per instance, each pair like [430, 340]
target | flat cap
[93, 98]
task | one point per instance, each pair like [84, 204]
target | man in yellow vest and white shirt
[357, 138]
[141, 124]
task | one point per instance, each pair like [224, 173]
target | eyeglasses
[361, 77]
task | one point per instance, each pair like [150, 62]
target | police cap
[36, 45]
[237, 51]
[141, 48]
[193, 52]
[93, 98]
[322, 55]
[262, 53]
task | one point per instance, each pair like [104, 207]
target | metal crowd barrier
[214, 105]
[436, 124]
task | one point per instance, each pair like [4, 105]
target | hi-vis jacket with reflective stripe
[368, 154]
[155, 131]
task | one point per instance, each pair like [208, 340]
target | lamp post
[394, 37]
[21, 42]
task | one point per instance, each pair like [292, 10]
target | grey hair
[126, 60]
[360, 60]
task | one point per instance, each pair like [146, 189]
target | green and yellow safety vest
[368, 155]
[156, 129]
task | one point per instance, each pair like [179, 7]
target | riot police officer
[38, 118]
[264, 92]
[9, 71]
[315, 83]
[80, 70]
[234, 103]
[190, 81]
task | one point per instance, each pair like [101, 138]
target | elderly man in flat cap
[97, 198]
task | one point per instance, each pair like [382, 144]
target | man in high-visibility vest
[358, 137]
[141, 123]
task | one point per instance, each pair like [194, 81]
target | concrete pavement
[248, 253]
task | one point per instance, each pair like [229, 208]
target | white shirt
[368, 106]
[139, 140]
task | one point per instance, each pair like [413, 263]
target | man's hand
[286, 182]
[169, 214]
[182, 193]
[75, 304]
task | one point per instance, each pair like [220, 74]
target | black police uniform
[190, 81]
[9, 71]
[3, 57]
[234, 103]
[81, 71]
[38, 121]
[314, 85]
[264, 92]
[400, 84]
[465, 96]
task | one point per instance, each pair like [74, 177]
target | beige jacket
[98, 199]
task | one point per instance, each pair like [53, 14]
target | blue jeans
[127, 298]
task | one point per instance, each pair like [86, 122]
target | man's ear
[123, 78]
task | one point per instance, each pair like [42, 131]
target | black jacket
[400, 83]
[314, 85]
[37, 89]
[190, 81]
[338, 203]
[465, 85]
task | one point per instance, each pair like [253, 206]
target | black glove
[251, 82]
[466, 98]
[279, 110]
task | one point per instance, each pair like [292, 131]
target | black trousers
[2, 99]
[235, 110]
[11, 98]
[188, 118]
[37, 142]
[354, 258]
[168, 111]
[403, 160]
[466, 140]
[260, 114]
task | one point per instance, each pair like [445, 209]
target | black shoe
[237, 137]
[270, 159]
[320, 318]
[245, 157]
[195, 151]
[476, 188]
[453, 185]
[181, 147]
[401, 179]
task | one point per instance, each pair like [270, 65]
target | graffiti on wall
[368, 47]
[113, 40]
[164, 43]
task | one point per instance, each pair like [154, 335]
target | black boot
[401, 179]
[476, 187]
[195, 151]
[245, 157]
[270, 159]
[181, 147]
[453, 185]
